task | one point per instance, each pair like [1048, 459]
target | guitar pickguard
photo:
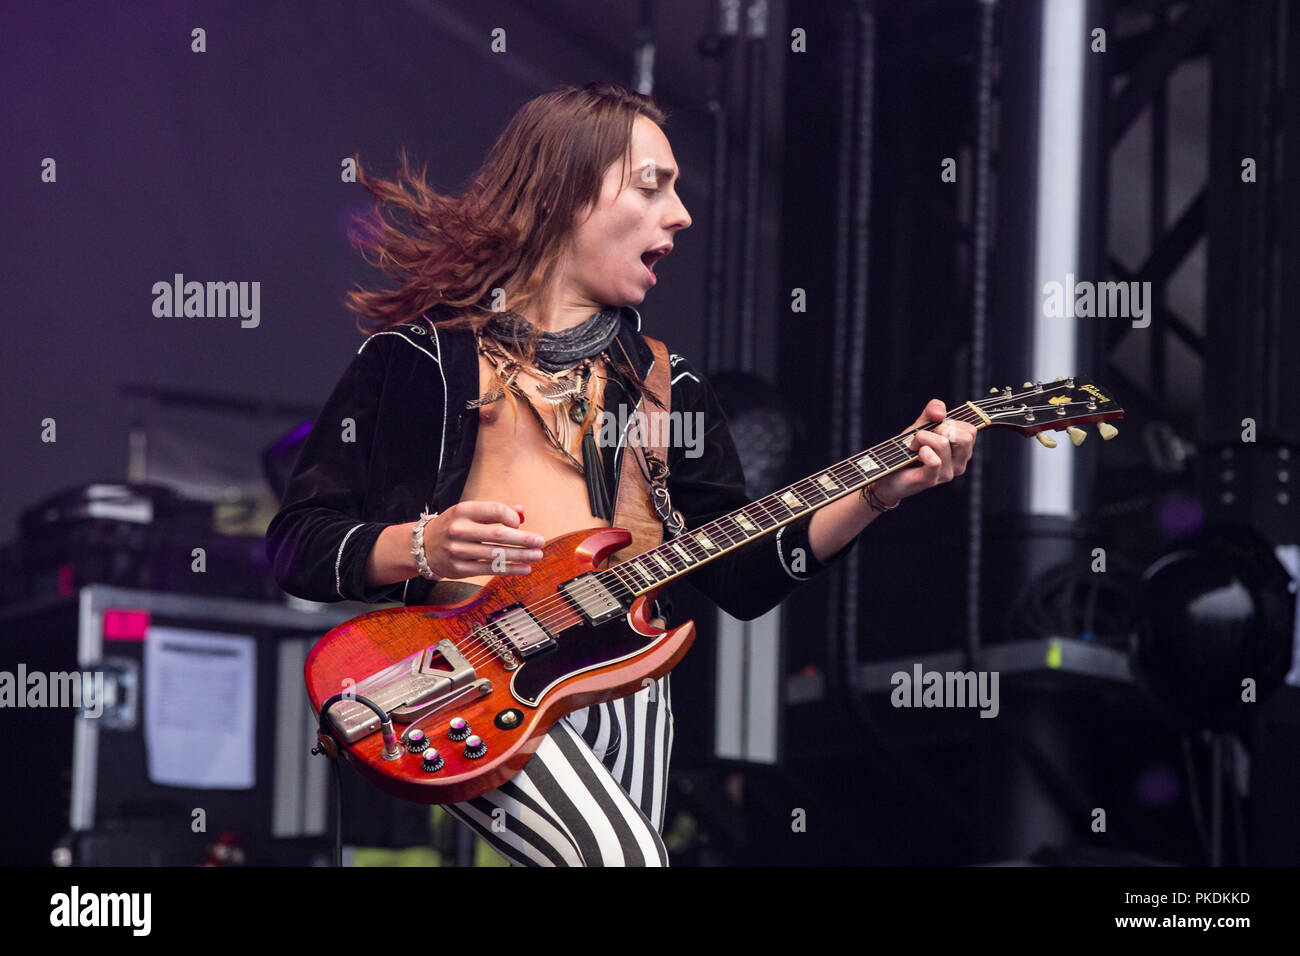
[582, 648]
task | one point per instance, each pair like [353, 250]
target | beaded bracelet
[417, 546]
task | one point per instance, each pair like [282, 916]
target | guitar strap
[644, 507]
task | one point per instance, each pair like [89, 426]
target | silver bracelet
[417, 546]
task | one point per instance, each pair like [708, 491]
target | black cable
[718, 47]
[843, 688]
[980, 229]
[1193, 796]
[1238, 817]
[835, 604]
[1064, 600]
[752, 211]
[338, 813]
[338, 773]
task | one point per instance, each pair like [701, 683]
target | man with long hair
[520, 296]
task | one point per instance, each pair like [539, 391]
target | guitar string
[555, 610]
[486, 652]
[544, 614]
[541, 612]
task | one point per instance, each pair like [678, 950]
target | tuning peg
[1027, 385]
[1046, 440]
[994, 390]
[1077, 435]
[1058, 379]
[1107, 430]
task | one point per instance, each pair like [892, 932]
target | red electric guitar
[441, 704]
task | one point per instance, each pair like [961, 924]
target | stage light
[1215, 629]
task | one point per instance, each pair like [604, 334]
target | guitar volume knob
[458, 729]
[432, 761]
[416, 742]
[474, 747]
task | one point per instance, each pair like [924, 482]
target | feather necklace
[567, 391]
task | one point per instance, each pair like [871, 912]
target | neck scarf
[557, 351]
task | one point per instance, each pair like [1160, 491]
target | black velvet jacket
[411, 445]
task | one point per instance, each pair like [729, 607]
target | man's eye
[648, 189]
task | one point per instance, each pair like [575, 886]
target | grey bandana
[556, 351]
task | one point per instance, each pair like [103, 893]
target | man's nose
[682, 219]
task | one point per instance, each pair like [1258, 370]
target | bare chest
[515, 464]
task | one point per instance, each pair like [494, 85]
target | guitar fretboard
[712, 540]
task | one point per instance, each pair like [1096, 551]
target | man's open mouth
[651, 256]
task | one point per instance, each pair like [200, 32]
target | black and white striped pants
[592, 795]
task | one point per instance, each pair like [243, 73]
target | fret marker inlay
[867, 464]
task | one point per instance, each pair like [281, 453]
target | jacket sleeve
[319, 542]
[706, 482]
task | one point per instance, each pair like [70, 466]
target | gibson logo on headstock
[1094, 391]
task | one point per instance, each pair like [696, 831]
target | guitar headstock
[1063, 405]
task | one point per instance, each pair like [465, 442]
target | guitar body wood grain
[586, 665]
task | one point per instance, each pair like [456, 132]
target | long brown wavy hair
[510, 227]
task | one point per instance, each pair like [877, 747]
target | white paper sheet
[200, 708]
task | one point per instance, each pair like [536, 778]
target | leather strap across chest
[634, 509]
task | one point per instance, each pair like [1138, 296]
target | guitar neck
[680, 556]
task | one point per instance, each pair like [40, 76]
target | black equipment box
[220, 753]
[132, 536]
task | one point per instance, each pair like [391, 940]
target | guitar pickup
[595, 602]
[521, 632]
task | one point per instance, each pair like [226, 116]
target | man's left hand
[943, 453]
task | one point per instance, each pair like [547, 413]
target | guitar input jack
[392, 747]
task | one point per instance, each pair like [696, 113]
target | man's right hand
[472, 538]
